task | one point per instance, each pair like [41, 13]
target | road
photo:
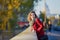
[53, 35]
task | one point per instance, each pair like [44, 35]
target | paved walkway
[28, 35]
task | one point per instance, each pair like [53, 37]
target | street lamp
[44, 11]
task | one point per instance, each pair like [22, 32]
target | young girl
[36, 24]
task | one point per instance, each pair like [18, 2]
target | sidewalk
[25, 35]
[28, 35]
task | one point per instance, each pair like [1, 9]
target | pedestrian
[36, 24]
[49, 26]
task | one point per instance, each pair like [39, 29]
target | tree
[26, 6]
[42, 16]
[10, 10]
[58, 21]
[7, 12]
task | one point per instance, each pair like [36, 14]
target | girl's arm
[40, 24]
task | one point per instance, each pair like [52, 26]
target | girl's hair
[29, 16]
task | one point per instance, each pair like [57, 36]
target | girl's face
[32, 15]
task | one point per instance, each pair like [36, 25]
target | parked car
[22, 24]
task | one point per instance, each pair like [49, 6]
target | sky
[54, 6]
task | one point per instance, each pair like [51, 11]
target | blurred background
[13, 15]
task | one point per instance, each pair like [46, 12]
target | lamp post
[45, 11]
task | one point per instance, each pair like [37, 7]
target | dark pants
[50, 27]
[45, 37]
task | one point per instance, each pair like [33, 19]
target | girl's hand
[32, 30]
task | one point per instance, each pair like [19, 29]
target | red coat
[38, 27]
